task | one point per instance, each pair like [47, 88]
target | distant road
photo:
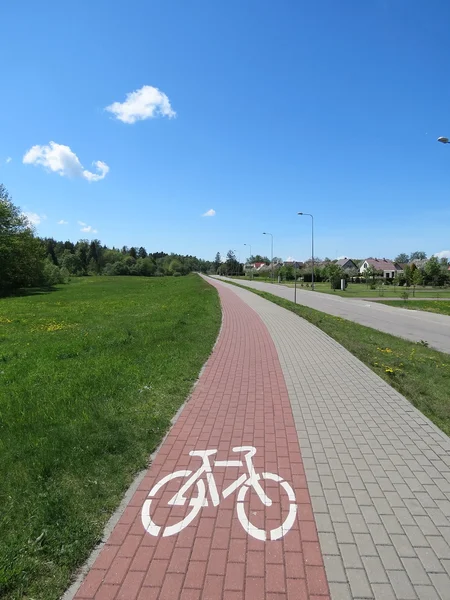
[408, 324]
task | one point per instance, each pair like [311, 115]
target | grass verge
[420, 373]
[360, 290]
[440, 307]
[90, 376]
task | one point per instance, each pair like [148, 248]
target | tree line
[27, 260]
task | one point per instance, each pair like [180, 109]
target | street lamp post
[312, 244]
[236, 261]
[267, 233]
[250, 246]
[443, 140]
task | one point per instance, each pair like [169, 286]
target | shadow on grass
[32, 291]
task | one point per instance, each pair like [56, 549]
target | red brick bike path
[240, 400]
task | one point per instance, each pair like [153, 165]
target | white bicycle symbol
[245, 482]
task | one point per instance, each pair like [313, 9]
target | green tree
[175, 267]
[432, 271]
[402, 258]
[142, 253]
[334, 273]
[371, 274]
[82, 251]
[21, 253]
[51, 273]
[259, 258]
[72, 263]
[418, 255]
[217, 262]
[145, 267]
[417, 278]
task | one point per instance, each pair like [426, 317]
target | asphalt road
[408, 324]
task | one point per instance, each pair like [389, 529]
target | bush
[51, 274]
[65, 275]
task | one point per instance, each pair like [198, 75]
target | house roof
[293, 263]
[343, 261]
[383, 264]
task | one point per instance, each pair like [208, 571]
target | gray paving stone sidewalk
[378, 471]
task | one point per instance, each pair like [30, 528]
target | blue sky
[326, 107]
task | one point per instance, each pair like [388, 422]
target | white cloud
[146, 103]
[62, 222]
[60, 159]
[8, 160]
[443, 254]
[290, 259]
[101, 167]
[87, 228]
[209, 213]
[34, 218]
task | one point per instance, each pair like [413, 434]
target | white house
[389, 268]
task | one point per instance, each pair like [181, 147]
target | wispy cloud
[209, 213]
[8, 160]
[146, 103]
[443, 254]
[34, 218]
[60, 159]
[85, 228]
[62, 222]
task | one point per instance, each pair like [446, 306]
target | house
[389, 268]
[256, 266]
[295, 264]
[346, 264]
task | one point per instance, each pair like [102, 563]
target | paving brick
[375, 570]
[401, 585]
[441, 582]
[351, 556]
[359, 583]
[403, 546]
[383, 591]
[335, 569]
[340, 591]
[427, 592]
[131, 586]
[440, 546]
[389, 557]
[365, 544]
[416, 572]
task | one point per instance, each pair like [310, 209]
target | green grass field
[420, 373]
[90, 376]
[441, 307]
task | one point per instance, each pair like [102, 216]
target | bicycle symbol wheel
[278, 532]
[196, 503]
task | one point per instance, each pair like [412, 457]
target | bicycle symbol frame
[244, 482]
